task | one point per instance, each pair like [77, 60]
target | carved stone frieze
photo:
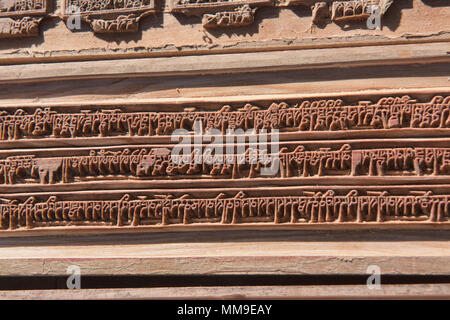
[21, 18]
[215, 11]
[371, 177]
[303, 117]
[311, 207]
[161, 163]
[109, 16]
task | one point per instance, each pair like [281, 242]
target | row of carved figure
[322, 115]
[162, 163]
[312, 207]
[108, 16]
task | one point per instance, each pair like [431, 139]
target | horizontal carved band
[193, 6]
[114, 16]
[323, 115]
[160, 162]
[321, 10]
[309, 208]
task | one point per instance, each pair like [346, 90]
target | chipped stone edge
[32, 56]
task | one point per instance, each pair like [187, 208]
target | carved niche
[21, 18]
[109, 16]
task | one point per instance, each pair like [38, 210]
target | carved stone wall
[164, 27]
[356, 131]
[382, 181]
[148, 138]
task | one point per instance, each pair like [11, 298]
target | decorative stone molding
[109, 16]
[19, 19]
[292, 161]
[330, 116]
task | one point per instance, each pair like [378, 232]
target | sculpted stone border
[218, 14]
[311, 207]
[114, 16]
[329, 116]
[159, 164]
[19, 19]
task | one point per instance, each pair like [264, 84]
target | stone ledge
[229, 63]
[274, 252]
[408, 291]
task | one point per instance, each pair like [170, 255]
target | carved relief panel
[336, 180]
[109, 16]
[237, 13]
[400, 114]
[241, 13]
[21, 18]
[157, 163]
